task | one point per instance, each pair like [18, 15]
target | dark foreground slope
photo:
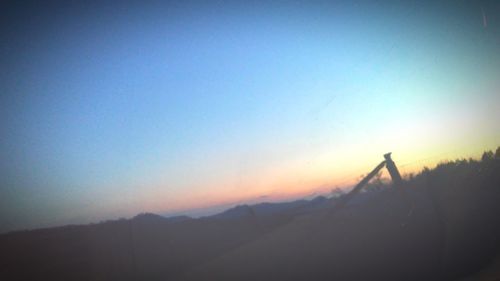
[147, 247]
[444, 227]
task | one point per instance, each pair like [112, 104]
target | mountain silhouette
[444, 226]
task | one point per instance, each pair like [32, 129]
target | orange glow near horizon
[298, 182]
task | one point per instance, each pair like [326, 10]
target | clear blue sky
[108, 110]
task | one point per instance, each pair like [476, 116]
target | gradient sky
[108, 110]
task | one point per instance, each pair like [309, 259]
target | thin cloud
[485, 20]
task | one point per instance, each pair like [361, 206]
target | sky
[111, 109]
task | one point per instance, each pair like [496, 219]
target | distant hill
[443, 226]
[264, 209]
[149, 217]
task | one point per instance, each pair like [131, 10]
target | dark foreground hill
[445, 226]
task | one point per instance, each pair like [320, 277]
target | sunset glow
[109, 113]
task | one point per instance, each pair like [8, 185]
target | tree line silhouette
[445, 227]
